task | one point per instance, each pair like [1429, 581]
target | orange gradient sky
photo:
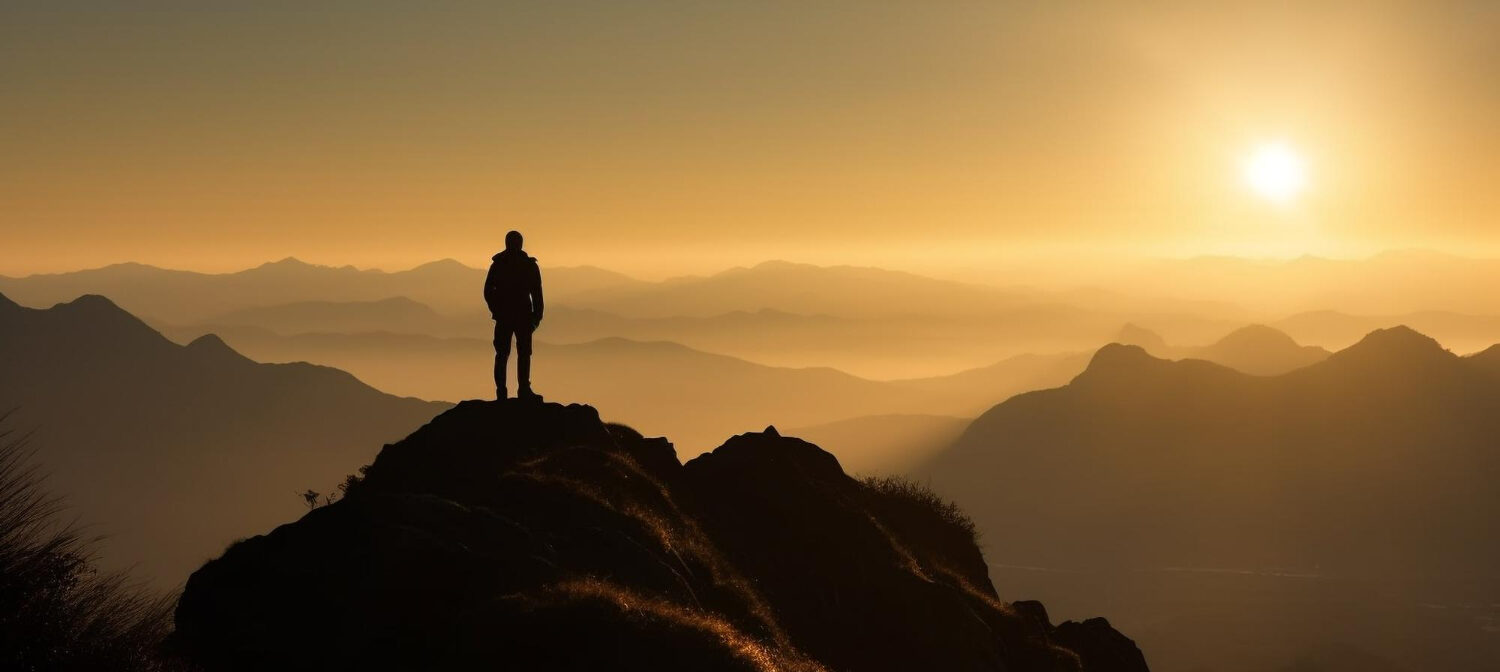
[666, 137]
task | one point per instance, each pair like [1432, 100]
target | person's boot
[523, 377]
[500, 388]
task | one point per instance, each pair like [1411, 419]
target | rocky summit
[516, 536]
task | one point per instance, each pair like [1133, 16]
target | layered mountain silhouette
[645, 382]
[523, 536]
[171, 451]
[801, 288]
[1459, 332]
[881, 348]
[1379, 459]
[449, 286]
[396, 315]
[186, 297]
[873, 322]
[1335, 518]
[1255, 349]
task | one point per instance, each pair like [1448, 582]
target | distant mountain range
[1342, 465]
[1460, 332]
[644, 380]
[879, 347]
[186, 297]
[172, 451]
[1373, 462]
[1226, 517]
[398, 315]
[847, 291]
[1398, 287]
[872, 322]
[1255, 349]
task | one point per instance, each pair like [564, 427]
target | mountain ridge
[1256, 349]
[224, 440]
[185, 297]
[1363, 410]
[1246, 511]
[536, 536]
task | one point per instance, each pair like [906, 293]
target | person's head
[513, 240]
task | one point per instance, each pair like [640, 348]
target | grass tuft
[57, 610]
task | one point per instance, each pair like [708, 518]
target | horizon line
[293, 260]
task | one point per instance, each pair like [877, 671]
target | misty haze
[750, 336]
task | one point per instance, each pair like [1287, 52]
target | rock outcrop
[518, 536]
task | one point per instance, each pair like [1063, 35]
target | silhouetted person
[513, 290]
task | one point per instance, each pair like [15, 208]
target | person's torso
[511, 277]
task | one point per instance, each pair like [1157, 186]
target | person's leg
[502, 354]
[523, 359]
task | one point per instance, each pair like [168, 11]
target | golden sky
[662, 137]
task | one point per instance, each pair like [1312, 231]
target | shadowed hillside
[171, 451]
[1375, 465]
[1306, 466]
[536, 537]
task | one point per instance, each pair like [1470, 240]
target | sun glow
[1276, 172]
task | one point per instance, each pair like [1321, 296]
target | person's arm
[536, 295]
[489, 290]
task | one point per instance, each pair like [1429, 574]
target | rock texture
[518, 536]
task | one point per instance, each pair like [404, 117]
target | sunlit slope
[885, 444]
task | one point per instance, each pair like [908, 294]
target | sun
[1276, 172]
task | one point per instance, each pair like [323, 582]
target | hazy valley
[663, 336]
[1195, 479]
